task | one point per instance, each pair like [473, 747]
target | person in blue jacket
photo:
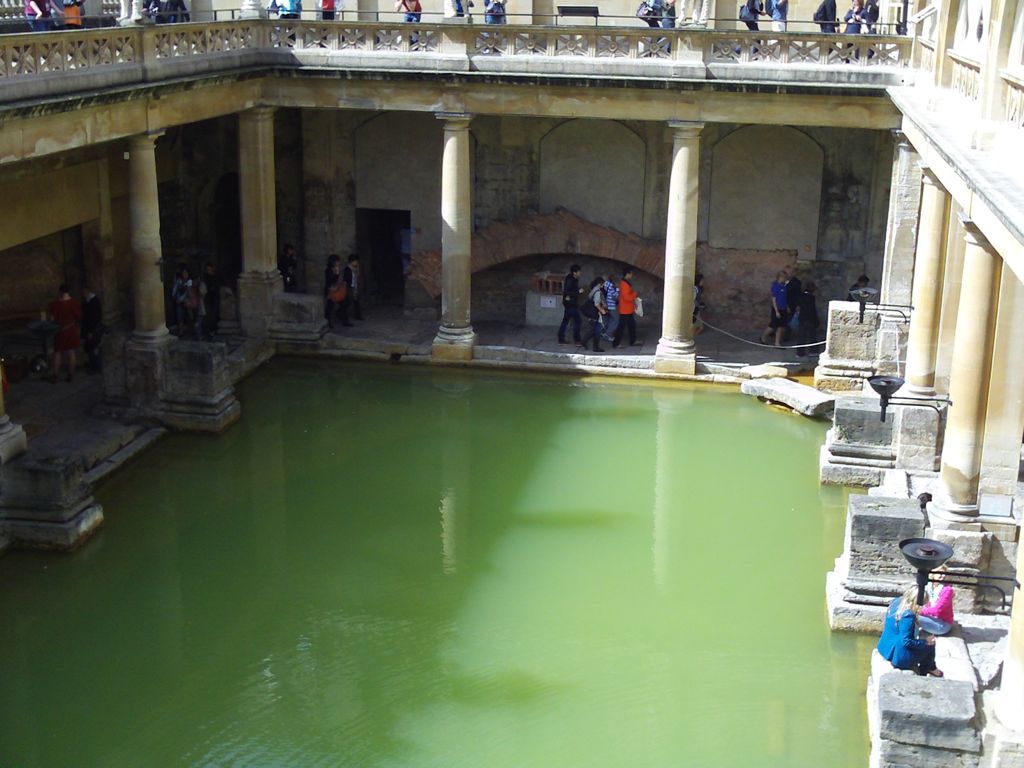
[899, 644]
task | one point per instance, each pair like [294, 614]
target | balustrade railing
[1013, 98]
[485, 46]
[966, 76]
[925, 54]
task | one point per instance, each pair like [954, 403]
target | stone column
[260, 282]
[676, 352]
[147, 254]
[455, 338]
[1010, 702]
[901, 227]
[957, 499]
[1004, 422]
[927, 298]
[12, 436]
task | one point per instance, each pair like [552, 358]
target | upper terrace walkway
[34, 65]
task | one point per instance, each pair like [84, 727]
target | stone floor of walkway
[66, 419]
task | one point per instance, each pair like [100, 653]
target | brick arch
[559, 232]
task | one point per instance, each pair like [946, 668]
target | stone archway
[558, 232]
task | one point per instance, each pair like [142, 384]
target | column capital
[928, 177]
[145, 140]
[260, 113]
[686, 129]
[973, 235]
[455, 121]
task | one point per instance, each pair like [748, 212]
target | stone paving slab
[801, 398]
[928, 711]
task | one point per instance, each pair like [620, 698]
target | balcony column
[455, 338]
[922, 349]
[147, 254]
[676, 352]
[260, 282]
[957, 497]
[900, 230]
[12, 436]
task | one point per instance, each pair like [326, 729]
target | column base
[64, 535]
[454, 344]
[12, 439]
[675, 357]
[298, 321]
[152, 338]
[924, 393]
[257, 294]
[943, 512]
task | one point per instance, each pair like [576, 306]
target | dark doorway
[227, 228]
[382, 242]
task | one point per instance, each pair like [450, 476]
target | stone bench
[801, 398]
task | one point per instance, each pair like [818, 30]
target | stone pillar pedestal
[12, 436]
[922, 347]
[676, 352]
[455, 338]
[45, 503]
[260, 282]
[851, 347]
[957, 499]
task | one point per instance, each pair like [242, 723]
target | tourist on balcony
[72, 14]
[854, 18]
[327, 11]
[871, 12]
[335, 290]
[779, 11]
[668, 14]
[412, 11]
[899, 644]
[826, 16]
[290, 9]
[627, 309]
[571, 292]
[494, 12]
[39, 15]
[749, 13]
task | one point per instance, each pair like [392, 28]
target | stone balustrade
[128, 55]
[1013, 98]
[966, 76]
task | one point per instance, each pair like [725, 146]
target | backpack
[589, 311]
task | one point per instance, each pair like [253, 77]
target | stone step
[801, 398]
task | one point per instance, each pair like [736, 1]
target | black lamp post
[887, 386]
[925, 555]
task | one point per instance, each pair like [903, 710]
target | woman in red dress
[67, 313]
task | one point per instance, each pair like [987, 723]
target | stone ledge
[928, 711]
[802, 399]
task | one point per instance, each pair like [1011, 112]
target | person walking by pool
[199, 291]
[212, 280]
[571, 292]
[335, 290]
[92, 331]
[354, 283]
[698, 304]
[288, 266]
[67, 314]
[794, 289]
[899, 644]
[779, 316]
[856, 288]
[181, 295]
[627, 309]
[611, 305]
[595, 310]
[808, 318]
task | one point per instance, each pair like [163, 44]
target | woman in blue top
[899, 644]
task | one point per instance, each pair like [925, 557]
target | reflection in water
[276, 596]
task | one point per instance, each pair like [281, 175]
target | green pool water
[393, 566]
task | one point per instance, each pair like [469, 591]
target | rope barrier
[757, 343]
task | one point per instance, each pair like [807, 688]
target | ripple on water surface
[381, 566]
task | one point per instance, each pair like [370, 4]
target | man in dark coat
[92, 331]
[571, 305]
[826, 16]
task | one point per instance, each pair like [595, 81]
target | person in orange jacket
[627, 309]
